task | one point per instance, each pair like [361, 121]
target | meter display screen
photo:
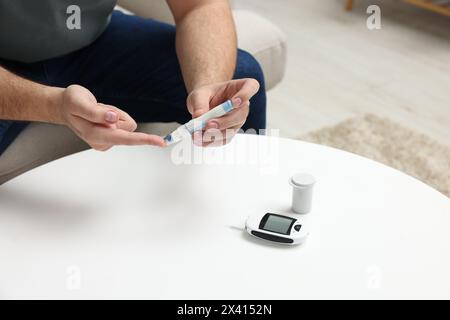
[276, 223]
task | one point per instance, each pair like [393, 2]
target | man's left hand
[221, 130]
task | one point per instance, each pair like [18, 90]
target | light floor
[337, 68]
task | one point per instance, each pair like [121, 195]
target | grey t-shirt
[34, 30]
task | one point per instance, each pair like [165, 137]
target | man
[79, 64]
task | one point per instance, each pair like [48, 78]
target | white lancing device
[197, 124]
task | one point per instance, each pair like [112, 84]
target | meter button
[297, 227]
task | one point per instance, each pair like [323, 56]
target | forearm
[24, 100]
[206, 44]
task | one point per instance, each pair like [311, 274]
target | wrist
[203, 82]
[53, 103]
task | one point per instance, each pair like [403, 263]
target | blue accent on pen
[193, 129]
[228, 106]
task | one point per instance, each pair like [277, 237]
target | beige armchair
[40, 143]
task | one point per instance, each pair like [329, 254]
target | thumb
[96, 112]
[124, 120]
[81, 102]
[198, 102]
[247, 88]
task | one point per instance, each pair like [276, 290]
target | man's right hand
[101, 126]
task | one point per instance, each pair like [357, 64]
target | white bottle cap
[302, 191]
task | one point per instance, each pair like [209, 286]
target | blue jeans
[133, 66]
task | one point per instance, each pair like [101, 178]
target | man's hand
[207, 51]
[101, 126]
[221, 130]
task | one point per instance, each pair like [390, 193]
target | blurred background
[338, 68]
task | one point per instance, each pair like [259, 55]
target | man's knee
[248, 67]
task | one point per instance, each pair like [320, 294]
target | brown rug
[387, 142]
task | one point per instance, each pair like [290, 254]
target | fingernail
[111, 116]
[237, 102]
[213, 125]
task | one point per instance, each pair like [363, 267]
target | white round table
[138, 222]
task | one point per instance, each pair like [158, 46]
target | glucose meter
[277, 228]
